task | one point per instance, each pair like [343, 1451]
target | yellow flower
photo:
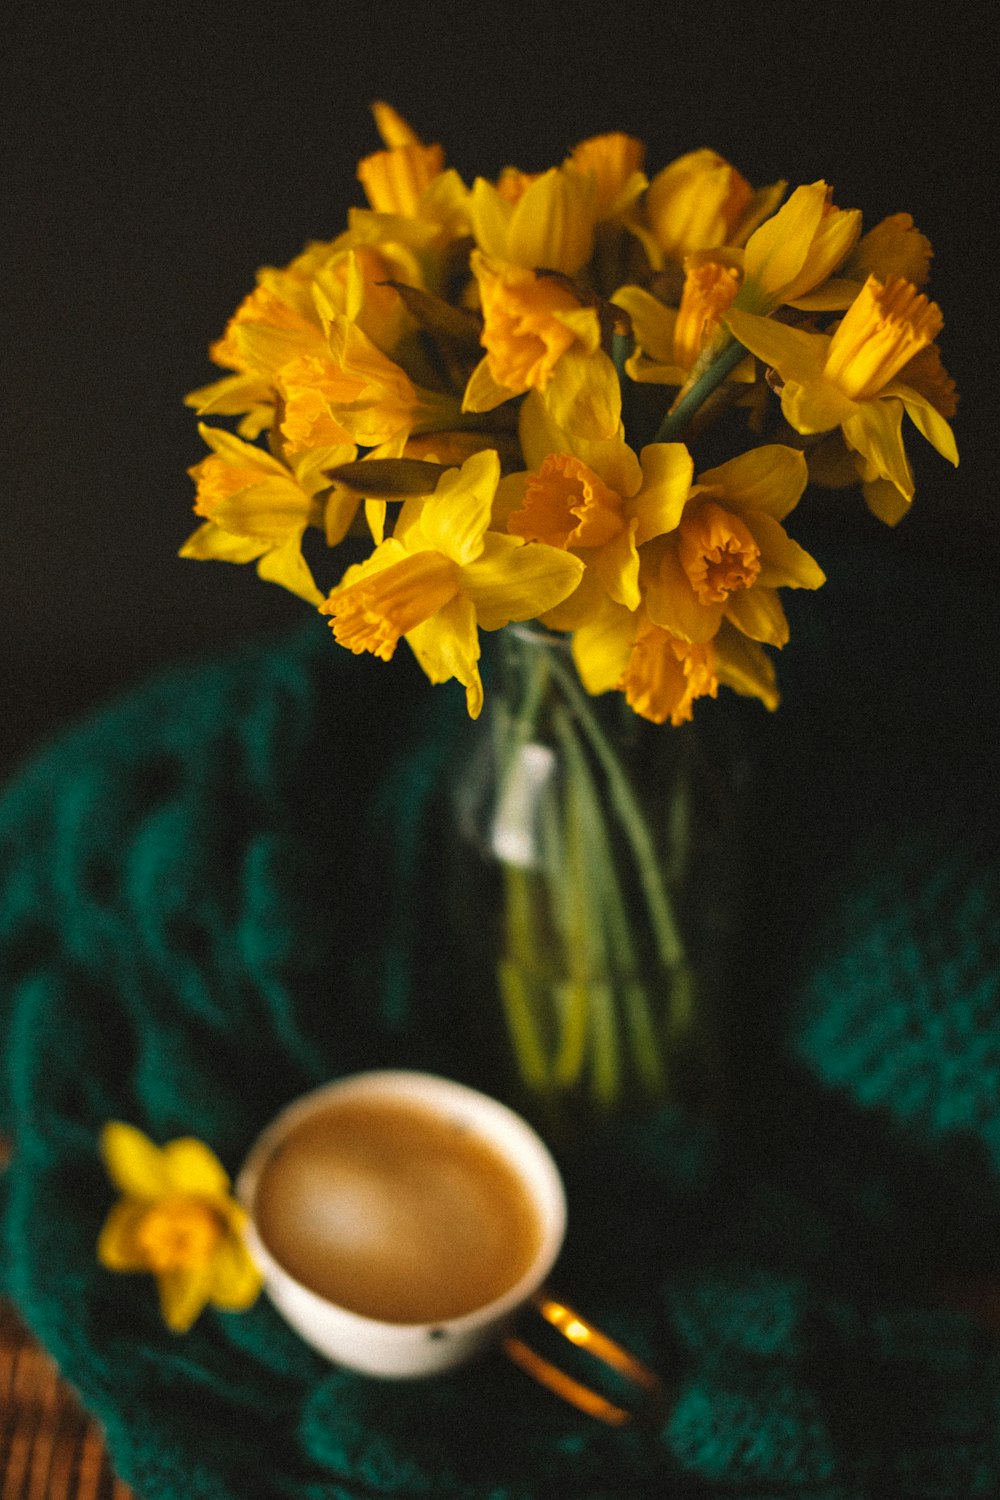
[256, 509]
[661, 674]
[395, 179]
[669, 340]
[598, 499]
[895, 247]
[529, 323]
[178, 1221]
[271, 326]
[849, 379]
[548, 223]
[615, 161]
[369, 394]
[443, 575]
[696, 203]
[279, 325]
[728, 554]
[796, 251]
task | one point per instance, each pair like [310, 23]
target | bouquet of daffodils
[583, 403]
[502, 385]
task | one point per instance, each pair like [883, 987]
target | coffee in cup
[396, 1211]
[403, 1222]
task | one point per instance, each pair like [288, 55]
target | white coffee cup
[387, 1347]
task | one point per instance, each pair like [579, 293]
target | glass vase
[595, 894]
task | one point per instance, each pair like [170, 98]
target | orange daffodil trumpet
[177, 1221]
[854, 380]
[494, 398]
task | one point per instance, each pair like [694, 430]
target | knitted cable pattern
[194, 897]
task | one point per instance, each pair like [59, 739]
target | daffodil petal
[770, 479]
[287, 567]
[926, 418]
[601, 647]
[341, 507]
[453, 520]
[491, 215]
[375, 514]
[311, 466]
[553, 222]
[135, 1165]
[242, 455]
[210, 543]
[796, 355]
[447, 645]
[183, 1295]
[815, 407]
[515, 580]
[652, 323]
[875, 431]
[832, 296]
[194, 1169]
[584, 396]
[617, 565]
[236, 1279]
[783, 563]
[667, 472]
[117, 1246]
[270, 509]
[483, 393]
[743, 665]
[759, 614]
[652, 372]
[884, 501]
[671, 602]
[776, 252]
[508, 498]
[233, 395]
[579, 606]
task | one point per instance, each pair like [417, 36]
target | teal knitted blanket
[208, 904]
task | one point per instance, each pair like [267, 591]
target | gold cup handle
[650, 1393]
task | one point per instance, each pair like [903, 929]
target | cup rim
[542, 1178]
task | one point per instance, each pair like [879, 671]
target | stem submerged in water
[591, 1002]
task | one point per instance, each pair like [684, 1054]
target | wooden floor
[50, 1449]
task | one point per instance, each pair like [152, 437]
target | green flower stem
[518, 974]
[676, 421]
[592, 873]
[668, 937]
[610, 918]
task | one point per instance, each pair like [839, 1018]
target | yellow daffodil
[549, 223]
[177, 1221]
[849, 379]
[369, 394]
[895, 247]
[530, 324]
[796, 251]
[256, 509]
[277, 332]
[599, 500]
[443, 575]
[699, 202]
[661, 674]
[696, 202]
[395, 179]
[728, 553]
[669, 340]
[615, 162]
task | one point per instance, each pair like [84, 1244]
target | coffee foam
[396, 1212]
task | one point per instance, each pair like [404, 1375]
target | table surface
[50, 1449]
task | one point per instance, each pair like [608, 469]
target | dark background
[154, 156]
